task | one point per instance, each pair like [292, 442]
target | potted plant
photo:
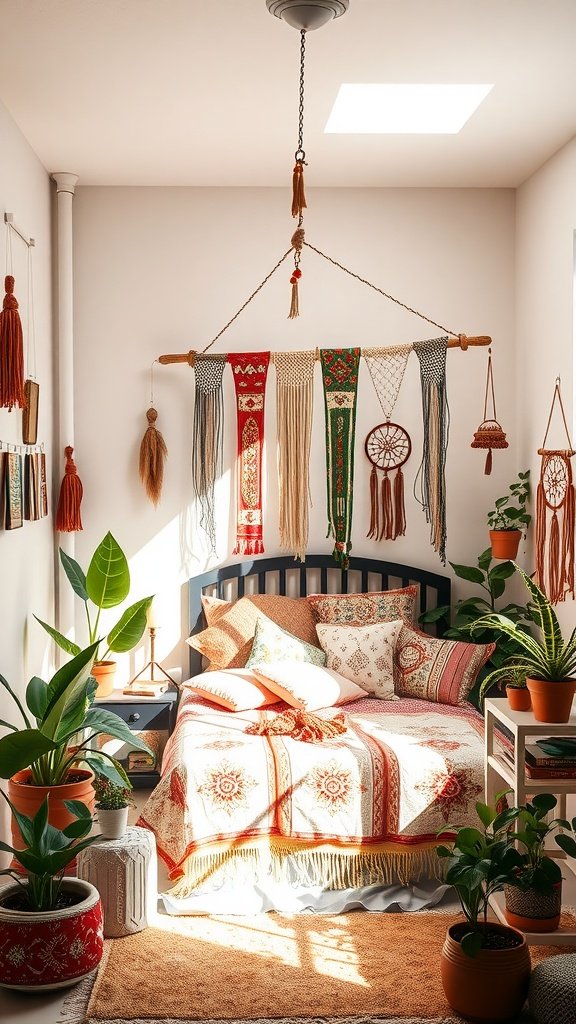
[112, 803]
[534, 893]
[547, 661]
[106, 584]
[492, 579]
[509, 517]
[47, 755]
[50, 926]
[480, 861]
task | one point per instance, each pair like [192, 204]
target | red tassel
[488, 463]
[11, 351]
[399, 510]
[540, 539]
[68, 515]
[554, 567]
[568, 540]
[387, 511]
[374, 516]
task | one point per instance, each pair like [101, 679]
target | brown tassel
[568, 540]
[540, 539]
[298, 197]
[554, 567]
[11, 351]
[374, 511]
[387, 511]
[488, 463]
[68, 514]
[153, 452]
[399, 510]
[300, 725]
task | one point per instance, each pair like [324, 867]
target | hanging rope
[298, 196]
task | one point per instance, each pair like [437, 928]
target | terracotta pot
[505, 543]
[52, 949]
[490, 987]
[112, 823]
[518, 698]
[531, 911]
[104, 673]
[551, 699]
[27, 798]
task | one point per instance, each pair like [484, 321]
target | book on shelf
[140, 761]
[145, 688]
[535, 756]
[538, 771]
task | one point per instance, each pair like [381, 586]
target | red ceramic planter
[53, 949]
[518, 698]
[551, 701]
[490, 987]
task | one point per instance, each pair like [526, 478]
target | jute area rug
[346, 969]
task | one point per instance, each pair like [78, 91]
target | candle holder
[149, 687]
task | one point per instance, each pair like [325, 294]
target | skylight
[389, 109]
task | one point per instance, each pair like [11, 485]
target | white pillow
[364, 654]
[236, 689]
[306, 686]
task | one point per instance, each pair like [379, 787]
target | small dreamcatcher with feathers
[555, 512]
[388, 445]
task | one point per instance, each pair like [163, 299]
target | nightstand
[156, 713]
[501, 771]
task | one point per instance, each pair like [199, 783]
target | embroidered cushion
[365, 609]
[271, 643]
[364, 654]
[227, 641]
[442, 671]
[307, 686]
[236, 689]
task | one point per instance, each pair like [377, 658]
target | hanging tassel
[374, 511]
[399, 509]
[540, 539]
[153, 452]
[11, 351]
[387, 511]
[294, 304]
[298, 197]
[568, 540]
[68, 514]
[554, 567]
[488, 463]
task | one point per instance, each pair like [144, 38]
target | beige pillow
[364, 654]
[307, 686]
[365, 609]
[235, 689]
[227, 642]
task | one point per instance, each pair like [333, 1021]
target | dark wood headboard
[317, 575]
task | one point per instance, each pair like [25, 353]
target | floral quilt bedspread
[363, 806]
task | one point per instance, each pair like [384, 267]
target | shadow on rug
[355, 968]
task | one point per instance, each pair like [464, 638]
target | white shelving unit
[498, 770]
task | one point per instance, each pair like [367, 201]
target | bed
[363, 806]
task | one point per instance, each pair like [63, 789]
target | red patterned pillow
[442, 671]
[365, 609]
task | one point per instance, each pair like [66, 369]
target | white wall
[162, 270]
[26, 555]
[545, 225]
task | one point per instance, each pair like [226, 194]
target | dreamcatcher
[388, 445]
[489, 434]
[555, 567]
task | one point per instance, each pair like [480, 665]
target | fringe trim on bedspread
[329, 868]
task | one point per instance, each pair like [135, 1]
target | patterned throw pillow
[307, 686]
[271, 643]
[442, 671]
[364, 654]
[365, 609]
[236, 689]
[227, 641]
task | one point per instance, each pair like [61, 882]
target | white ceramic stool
[125, 873]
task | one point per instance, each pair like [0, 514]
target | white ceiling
[204, 92]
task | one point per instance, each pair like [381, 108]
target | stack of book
[541, 764]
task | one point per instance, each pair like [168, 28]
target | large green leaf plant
[48, 744]
[105, 585]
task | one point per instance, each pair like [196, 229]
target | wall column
[65, 185]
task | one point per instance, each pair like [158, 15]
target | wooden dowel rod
[462, 342]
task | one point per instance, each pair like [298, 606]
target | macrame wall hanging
[555, 511]
[250, 370]
[489, 434]
[294, 407]
[432, 357]
[388, 445]
[208, 437]
[340, 381]
[153, 451]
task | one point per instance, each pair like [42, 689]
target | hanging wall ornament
[13, 490]
[555, 500]
[208, 437]
[340, 380]
[68, 518]
[250, 370]
[11, 351]
[31, 388]
[153, 451]
[489, 434]
[43, 486]
[294, 405]
[435, 414]
[388, 445]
